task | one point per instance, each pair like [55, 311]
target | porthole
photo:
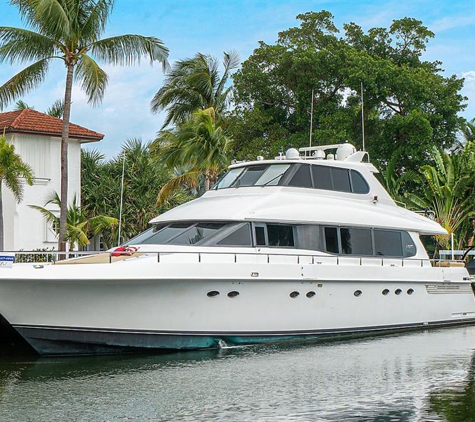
[398, 291]
[410, 291]
[358, 293]
[233, 294]
[385, 292]
[212, 293]
[310, 294]
[294, 294]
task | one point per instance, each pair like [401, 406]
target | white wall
[24, 227]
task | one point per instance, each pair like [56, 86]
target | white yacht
[306, 245]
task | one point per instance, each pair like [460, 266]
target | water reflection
[409, 377]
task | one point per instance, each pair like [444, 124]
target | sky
[214, 26]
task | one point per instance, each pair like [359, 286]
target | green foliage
[143, 179]
[408, 105]
[195, 84]
[80, 227]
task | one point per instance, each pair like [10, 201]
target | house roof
[31, 121]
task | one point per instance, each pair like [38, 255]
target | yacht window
[409, 248]
[195, 234]
[308, 237]
[358, 183]
[229, 178]
[250, 176]
[388, 242]
[301, 178]
[163, 234]
[356, 241]
[280, 235]
[260, 236]
[272, 175]
[239, 237]
[341, 180]
[331, 240]
[322, 178]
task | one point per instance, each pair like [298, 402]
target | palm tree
[12, 172]
[195, 84]
[448, 189]
[468, 131]
[69, 30]
[79, 226]
[200, 147]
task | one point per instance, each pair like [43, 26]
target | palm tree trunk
[64, 158]
[2, 239]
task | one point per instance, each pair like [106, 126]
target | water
[419, 376]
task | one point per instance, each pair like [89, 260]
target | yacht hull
[197, 305]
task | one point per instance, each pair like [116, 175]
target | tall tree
[408, 103]
[12, 172]
[195, 84]
[69, 30]
[200, 147]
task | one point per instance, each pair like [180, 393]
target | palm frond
[129, 49]
[191, 178]
[23, 82]
[93, 79]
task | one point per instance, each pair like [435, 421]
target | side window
[358, 183]
[388, 243]
[356, 241]
[301, 178]
[409, 248]
[260, 236]
[280, 235]
[239, 237]
[341, 180]
[331, 240]
[322, 178]
[309, 237]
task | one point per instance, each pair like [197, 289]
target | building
[37, 139]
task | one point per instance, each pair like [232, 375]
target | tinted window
[239, 237]
[301, 178]
[341, 180]
[409, 248]
[260, 236]
[331, 239]
[280, 235]
[356, 241]
[250, 176]
[196, 234]
[358, 183]
[308, 237]
[229, 178]
[165, 234]
[272, 175]
[322, 178]
[387, 242]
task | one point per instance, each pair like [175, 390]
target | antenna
[311, 121]
[121, 198]
[362, 114]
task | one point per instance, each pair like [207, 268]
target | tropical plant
[143, 178]
[79, 226]
[198, 146]
[468, 131]
[68, 30]
[56, 110]
[13, 172]
[195, 84]
[448, 188]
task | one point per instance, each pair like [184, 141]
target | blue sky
[211, 27]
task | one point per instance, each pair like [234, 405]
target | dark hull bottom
[48, 341]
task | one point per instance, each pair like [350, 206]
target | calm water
[420, 376]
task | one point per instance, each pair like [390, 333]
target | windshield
[256, 175]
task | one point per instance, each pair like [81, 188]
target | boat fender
[124, 250]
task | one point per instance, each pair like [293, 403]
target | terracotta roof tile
[31, 121]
